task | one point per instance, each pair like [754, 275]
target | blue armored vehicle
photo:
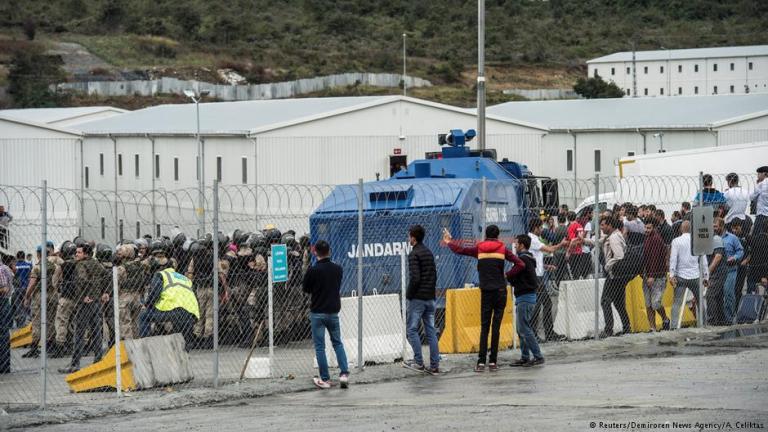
[446, 191]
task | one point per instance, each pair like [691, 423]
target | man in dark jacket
[525, 283]
[491, 254]
[421, 301]
[323, 282]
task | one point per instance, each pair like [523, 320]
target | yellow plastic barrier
[22, 337]
[103, 374]
[462, 322]
[638, 316]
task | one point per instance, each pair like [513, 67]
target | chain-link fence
[229, 306]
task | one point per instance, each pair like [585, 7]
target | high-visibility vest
[177, 293]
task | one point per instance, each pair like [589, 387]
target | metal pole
[700, 318]
[405, 86]
[481, 74]
[154, 187]
[44, 297]
[201, 179]
[215, 283]
[255, 182]
[82, 190]
[114, 150]
[596, 254]
[116, 306]
[270, 307]
[575, 174]
[360, 247]
[484, 206]
[403, 301]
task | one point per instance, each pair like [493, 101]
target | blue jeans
[729, 296]
[320, 322]
[528, 343]
[422, 311]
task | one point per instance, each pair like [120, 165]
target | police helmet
[141, 243]
[67, 250]
[240, 238]
[289, 240]
[179, 240]
[79, 241]
[104, 252]
[273, 235]
[157, 247]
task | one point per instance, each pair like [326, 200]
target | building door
[396, 163]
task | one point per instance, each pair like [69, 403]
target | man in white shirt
[684, 271]
[737, 200]
[760, 194]
[543, 299]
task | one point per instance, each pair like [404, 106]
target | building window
[695, 68]
[594, 73]
[101, 163]
[627, 92]
[119, 164]
[136, 165]
[714, 67]
[714, 90]
[732, 89]
[613, 71]
[87, 179]
[732, 66]
[176, 169]
[218, 168]
[569, 160]
[750, 65]
[197, 167]
[661, 91]
[679, 68]
[103, 228]
[696, 90]
[679, 90]
[645, 92]
[245, 170]
[629, 71]
[138, 229]
[661, 69]
[645, 69]
[597, 160]
[120, 230]
[628, 154]
[157, 166]
[157, 230]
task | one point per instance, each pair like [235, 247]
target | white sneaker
[319, 383]
[344, 380]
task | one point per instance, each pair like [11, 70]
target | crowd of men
[165, 285]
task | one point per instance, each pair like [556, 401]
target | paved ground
[703, 381]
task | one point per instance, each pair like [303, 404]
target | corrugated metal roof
[685, 54]
[53, 115]
[224, 117]
[630, 113]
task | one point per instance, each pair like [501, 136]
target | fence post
[215, 283]
[82, 191]
[116, 314]
[271, 316]
[484, 206]
[360, 361]
[44, 297]
[700, 318]
[596, 254]
[403, 301]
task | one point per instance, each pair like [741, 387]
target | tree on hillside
[30, 77]
[597, 88]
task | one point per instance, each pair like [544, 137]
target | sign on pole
[702, 231]
[279, 267]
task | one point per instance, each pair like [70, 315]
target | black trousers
[543, 310]
[492, 305]
[614, 292]
[87, 318]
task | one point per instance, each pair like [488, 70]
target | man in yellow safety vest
[170, 299]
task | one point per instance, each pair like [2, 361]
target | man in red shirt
[577, 259]
[654, 274]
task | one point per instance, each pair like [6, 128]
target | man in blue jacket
[734, 252]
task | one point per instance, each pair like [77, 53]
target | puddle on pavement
[745, 332]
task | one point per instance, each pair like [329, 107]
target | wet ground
[694, 380]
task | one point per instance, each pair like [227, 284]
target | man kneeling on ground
[170, 299]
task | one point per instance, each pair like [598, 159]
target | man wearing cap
[760, 194]
[33, 296]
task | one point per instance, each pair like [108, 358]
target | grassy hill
[529, 43]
